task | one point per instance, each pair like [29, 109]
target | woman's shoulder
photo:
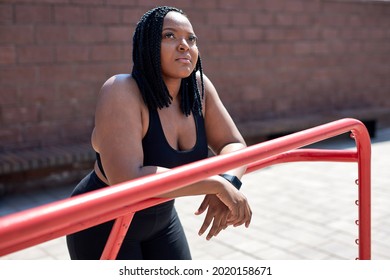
[121, 87]
[120, 82]
[206, 80]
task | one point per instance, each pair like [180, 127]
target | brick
[303, 20]
[70, 14]
[264, 19]
[251, 93]
[312, 7]
[185, 5]
[353, 47]
[295, 6]
[6, 13]
[120, 3]
[376, 34]
[87, 34]
[274, 6]
[84, 109]
[264, 49]
[294, 34]
[35, 54]
[81, 129]
[52, 34]
[120, 34]
[106, 53]
[330, 33]
[93, 2]
[105, 15]
[242, 49]
[132, 16]
[355, 20]
[210, 4]
[118, 67]
[206, 34]
[241, 19]
[8, 95]
[230, 5]
[16, 34]
[338, 47]
[275, 34]
[91, 72]
[38, 93]
[337, 20]
[33, 14]
[284, 19]
[302, 48]
[197, 18]
[253, 34]
[218, 50]
[58, 110]
[55, 73]
[20, 115]
[8, 135]
[43, 132]
[343, 8]
[216, 18]
[80, 91]
[231, 34]
[306, 53]
[283, 49]
[18, 74]
[7, 55]
[72, 53]
[147, 4]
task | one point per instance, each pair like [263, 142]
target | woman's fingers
[243, 216]
[224, 209]
[216, 216]
[203, 206]
[206, 223]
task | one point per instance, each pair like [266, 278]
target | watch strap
[232, 179]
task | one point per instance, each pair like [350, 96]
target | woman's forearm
[211, 185]
[239, 171]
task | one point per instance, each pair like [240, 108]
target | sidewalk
[301, 211]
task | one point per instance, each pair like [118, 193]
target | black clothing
[155, 232]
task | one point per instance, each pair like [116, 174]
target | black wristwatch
[232, 179]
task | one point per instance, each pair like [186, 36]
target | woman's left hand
[217, 212]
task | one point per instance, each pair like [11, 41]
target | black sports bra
[157, 150]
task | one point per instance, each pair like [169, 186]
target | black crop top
[158, 152]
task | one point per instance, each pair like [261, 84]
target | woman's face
[179, 52]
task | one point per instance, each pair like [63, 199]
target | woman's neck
[173, 86]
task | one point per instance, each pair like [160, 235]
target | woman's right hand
[240, 211]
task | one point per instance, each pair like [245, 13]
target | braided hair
[147, 66]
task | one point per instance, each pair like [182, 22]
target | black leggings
[155, 233]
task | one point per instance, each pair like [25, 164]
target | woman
[165, 114]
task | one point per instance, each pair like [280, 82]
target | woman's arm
[121, 122]
[222, 133]
[223, 137]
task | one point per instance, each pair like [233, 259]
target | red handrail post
[363, 145]
[115, 240]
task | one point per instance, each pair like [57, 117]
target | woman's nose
[183, 45]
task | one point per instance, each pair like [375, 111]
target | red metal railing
[34, 226]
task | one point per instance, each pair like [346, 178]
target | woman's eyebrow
[176, 30]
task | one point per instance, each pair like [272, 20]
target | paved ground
[302, 211]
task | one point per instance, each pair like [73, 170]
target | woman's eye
[192, 38]
[169, 35]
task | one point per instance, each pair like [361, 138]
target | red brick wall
[270, 60]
